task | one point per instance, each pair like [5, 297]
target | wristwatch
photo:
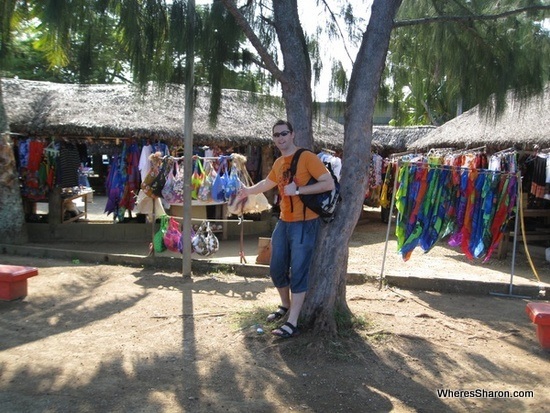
[297, 191]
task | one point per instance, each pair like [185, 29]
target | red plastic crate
[13, 281]
[539, 313]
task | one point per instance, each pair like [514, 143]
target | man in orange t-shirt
[293, 239]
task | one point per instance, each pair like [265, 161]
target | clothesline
[206, 158]
[425, 165]
[505, 151]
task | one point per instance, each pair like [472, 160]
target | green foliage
[434, 68]
[86, 41]
[339, 81]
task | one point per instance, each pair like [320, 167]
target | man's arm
[324, 183]
[262, 186]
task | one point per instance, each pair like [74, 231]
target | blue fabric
[292, 246]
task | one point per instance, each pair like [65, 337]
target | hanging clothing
[132, 183]
[540, 178]
[33, 170]
[68, 165]
[114, 185]
[439, 197]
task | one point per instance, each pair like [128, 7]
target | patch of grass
[349, 324]
[242, 320]
[377, 337]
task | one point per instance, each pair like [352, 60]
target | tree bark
[326, 308]
[12, 218]
[296, 85]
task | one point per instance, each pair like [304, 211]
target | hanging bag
[205, 191]
[156, 178]
[156, 161]
[158, 239]
[172, 237]
[232, 184]
[149, 179]
[205, 242]
[160, 180]
[197, 178]
[253, 204]
[173, 189]
[168, 186]
[178, 184]
[220, 182]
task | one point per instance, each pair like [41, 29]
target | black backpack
[324, 204]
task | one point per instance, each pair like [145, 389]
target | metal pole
[188, 140]
[514, 248]
[153, 229]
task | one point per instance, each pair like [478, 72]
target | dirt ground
[98, 338]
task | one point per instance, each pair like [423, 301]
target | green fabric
[158, 239]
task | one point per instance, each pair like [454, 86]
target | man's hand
[290, 189]
[242, 193]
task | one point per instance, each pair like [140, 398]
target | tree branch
[467, 18]
[258, 63]
[256, 42]
[339, 30]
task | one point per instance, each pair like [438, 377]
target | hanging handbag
[197, 179]
[172, 237]
[147, 181]
[173, 189]
[253, 204]
[220, 182]
[158, 239]
[156, 178]
[205, 190]
[158, 184]
[232, 184]
[205, 242]
[178, 184]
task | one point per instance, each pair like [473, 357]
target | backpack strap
[293, 168]
[294, 162]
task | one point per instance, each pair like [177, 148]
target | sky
[332, 48]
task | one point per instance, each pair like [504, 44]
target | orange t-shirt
[309, 165]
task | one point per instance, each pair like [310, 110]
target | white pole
[188, 141]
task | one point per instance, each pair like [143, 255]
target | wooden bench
[13, 281]
[508, 237]
[539, 313]
[537, 235]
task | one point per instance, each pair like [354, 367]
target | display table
[198, 213]
[84, 195]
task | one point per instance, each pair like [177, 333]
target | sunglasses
[283, 133]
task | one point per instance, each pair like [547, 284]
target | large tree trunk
[296, 82]
[326, 300]
[12, 218]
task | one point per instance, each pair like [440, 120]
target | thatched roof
[120, 111]
[392, 139]
[522, 125]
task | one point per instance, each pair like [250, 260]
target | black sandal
[287, 330]
[277, 315]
